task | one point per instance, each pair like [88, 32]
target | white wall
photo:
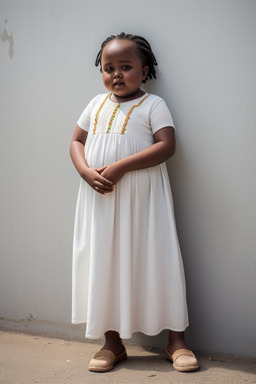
[207, 60]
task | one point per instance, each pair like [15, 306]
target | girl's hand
[92, 176]
[112, 172]
[98, 182]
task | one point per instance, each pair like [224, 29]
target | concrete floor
[33, 359]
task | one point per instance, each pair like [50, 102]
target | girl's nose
[117, 74]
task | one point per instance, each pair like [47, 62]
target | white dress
[127, 268]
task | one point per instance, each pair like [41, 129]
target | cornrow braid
[143, 46]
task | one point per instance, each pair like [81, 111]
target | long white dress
[127, 268]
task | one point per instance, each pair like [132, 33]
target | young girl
[127, 268]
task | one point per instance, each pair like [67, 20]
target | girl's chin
[122, 96]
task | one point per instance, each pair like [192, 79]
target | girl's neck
[122, 99]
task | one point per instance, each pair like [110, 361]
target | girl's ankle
[113, 342]
[176, 341]
[116, 348]
[175, 346]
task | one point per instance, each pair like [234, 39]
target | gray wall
[207, 60]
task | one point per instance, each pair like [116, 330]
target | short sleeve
[160, 116]
[85, 118]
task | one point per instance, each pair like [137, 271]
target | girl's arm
[91, 175]
[160, 151]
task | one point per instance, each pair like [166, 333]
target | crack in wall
[5, 37]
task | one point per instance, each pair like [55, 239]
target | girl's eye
[126, 67]
[108, 69]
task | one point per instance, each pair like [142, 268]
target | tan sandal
[183, 360]
[105, 360]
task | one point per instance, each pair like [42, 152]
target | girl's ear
[145, 72]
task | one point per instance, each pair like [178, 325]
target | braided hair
[144, 48]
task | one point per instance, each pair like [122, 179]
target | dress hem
[127, 336]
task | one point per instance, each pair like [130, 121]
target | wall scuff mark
[9, 38]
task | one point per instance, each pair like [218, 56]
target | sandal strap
[180, 352]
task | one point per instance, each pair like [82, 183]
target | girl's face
[122, 70]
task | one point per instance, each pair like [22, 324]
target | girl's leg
[176, 341]
[113, 342]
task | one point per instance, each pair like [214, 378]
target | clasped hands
[104, 179]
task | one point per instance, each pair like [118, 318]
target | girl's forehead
[120, 48]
